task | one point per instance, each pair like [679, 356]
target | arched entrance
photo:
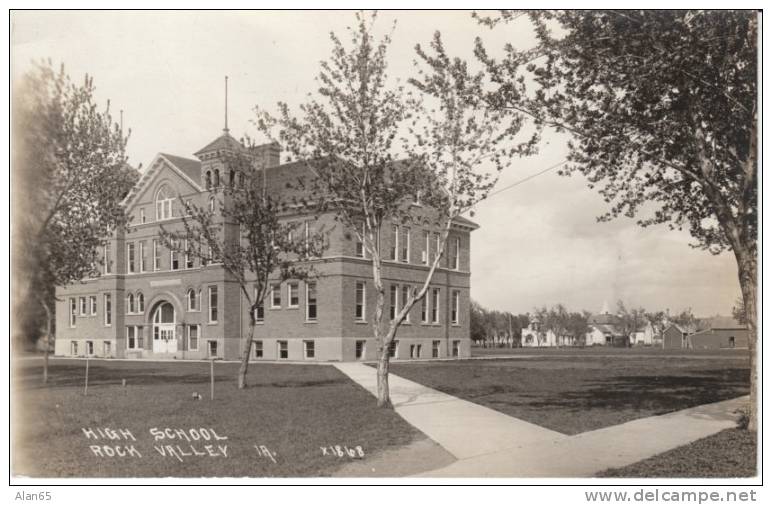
[164, 328]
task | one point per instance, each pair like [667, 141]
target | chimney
[268, 154]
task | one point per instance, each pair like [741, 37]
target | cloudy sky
[539, 242]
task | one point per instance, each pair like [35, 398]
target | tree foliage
[373, 147]
[662, 107]
[70, 177]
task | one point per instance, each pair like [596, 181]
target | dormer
[215, 169]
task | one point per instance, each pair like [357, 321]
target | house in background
[644, 335]
[604, 329]
[676, 337]
[536, 336]
[151, 302]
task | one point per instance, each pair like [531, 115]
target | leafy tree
[349, 136]
[70, 175]
[738, 312]
[662, 110]
[264, 248]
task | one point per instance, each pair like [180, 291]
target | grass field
[573, 392]
[727, 454]
[292, 410]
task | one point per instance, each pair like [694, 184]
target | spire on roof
[604, 309]
[226, 105]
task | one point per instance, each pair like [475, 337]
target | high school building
[150, 302]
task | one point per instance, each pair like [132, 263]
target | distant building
[676, 337]
[603, 329]
[536, 336]
[644, 335]
[720, 338]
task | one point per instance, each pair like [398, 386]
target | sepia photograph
[385, 247]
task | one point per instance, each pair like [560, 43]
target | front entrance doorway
[164, 329]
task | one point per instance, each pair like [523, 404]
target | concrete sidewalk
[488, 443]
[463, 428]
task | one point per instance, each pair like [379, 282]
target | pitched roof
[466, 222]
[191, 168]
[223, 142]
[719, 322]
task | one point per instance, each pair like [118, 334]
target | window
[394, 349]
[140, 303]
[192, 297]
[188, 256]
[359, 349]
[394, 243]
[456, 348]
[208, 179]
[308, 349]
[306, 237]
[405, 242]
[292, 295]
[211, 348]
[231, 178]
[360, 246]
[74, 348]
[455, 259]
[89, 348]
[106, 348]
[258, 348]
[212, 304]
[163, 204]
[436, 245]
[73, 311]
[83, 308]
[211, 204]
[130, 303]
[142, 256]
[359, 311]
[174, 256]
[393, 301]
[403, 304]
[216, 178]
[415, 351]
[108, 310]
[732, 342]
[311, 301]
[435, 305]
[275, 296]
[283, 349]
[436, 348]
[92, 302]
[142, 216]
[425, 252]
[259, 310]
[454, 307]
[108, 258]
[193, 337]
[131, 337]
[156, 256]
[424, 308]
[130, 257]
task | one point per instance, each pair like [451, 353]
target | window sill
[274, 308]
[293, 307]
[360, 321]
[311, 321]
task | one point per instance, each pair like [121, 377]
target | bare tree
[265, 248]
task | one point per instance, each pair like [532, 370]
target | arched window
[164, 314]
[216, 178]
[241, 179]
[163, 204]
[232, 178]
[192, 300]
[211, 204]
[140, 303]
[208, 179]
[130, 303]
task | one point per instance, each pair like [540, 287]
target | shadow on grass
[656, 393]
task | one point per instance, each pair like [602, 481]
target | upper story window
[293, 294]
[142, 219]
[394, 243]
[455, 259]
[163, 204]
[405, 244]
[425, 252]
[108, 258]
[192, 297]
[360, 246]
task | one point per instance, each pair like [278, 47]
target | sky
[539, 243]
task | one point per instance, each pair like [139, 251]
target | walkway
[488, 443]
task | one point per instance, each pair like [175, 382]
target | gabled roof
[223, 142]
[191, 168]
[460, 220]
[185, 171]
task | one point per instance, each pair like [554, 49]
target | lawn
[727, 454]
[291, 410]
[576, 392]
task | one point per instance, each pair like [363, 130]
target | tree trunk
[746, 269]
[49, 315]
[384, 398]
[242, 379]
